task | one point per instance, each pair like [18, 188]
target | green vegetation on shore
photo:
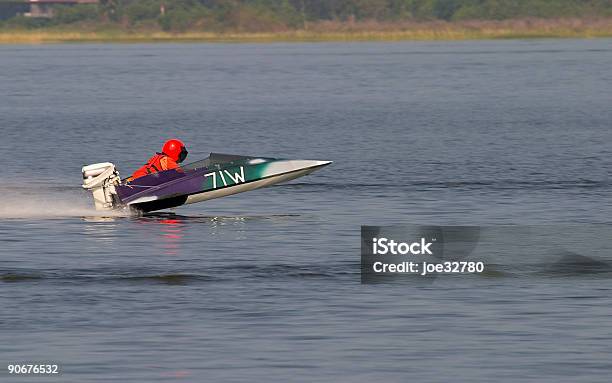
[309, 20]
[562, 28]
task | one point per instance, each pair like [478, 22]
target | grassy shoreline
[329, 31]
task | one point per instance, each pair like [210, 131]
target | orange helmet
[175, 149]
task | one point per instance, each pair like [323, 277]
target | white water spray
[31, 200]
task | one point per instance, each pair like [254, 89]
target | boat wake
[36, 201]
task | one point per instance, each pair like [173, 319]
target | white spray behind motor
[101, 180]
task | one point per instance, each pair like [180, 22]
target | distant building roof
[62, 1]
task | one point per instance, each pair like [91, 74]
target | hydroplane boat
[216, 176]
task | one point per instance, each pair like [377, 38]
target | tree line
[266, 15]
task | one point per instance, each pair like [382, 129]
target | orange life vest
[159, 162]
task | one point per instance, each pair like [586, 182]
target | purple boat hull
[216, 176]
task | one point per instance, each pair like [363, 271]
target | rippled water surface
[265, 286]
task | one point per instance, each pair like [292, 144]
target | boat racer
[173, 153]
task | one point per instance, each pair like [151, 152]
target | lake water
[265, 286]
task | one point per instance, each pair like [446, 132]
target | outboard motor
[101, 180]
